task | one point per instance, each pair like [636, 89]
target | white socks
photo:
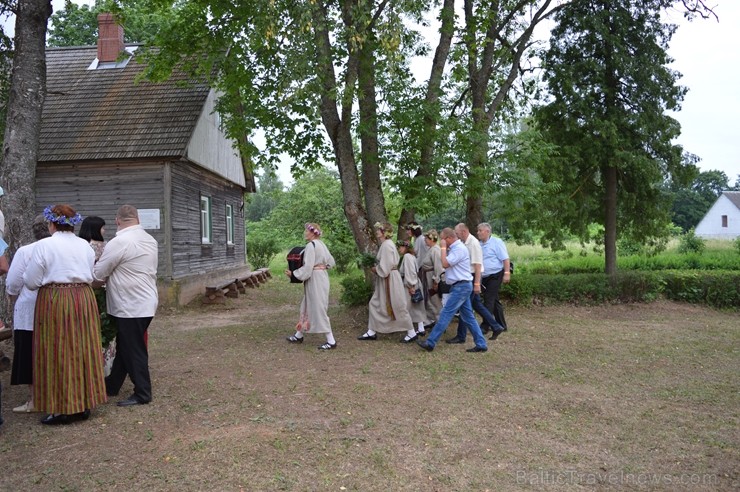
[330, 338]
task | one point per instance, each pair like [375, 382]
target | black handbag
[417, 296]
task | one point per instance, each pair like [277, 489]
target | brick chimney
[110, 38]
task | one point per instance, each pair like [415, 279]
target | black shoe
[477, 349]
[294, 339]
[496, 333]
[80, 416]
[485, 328]
[421, 333]
[423, 344]
[328, 346]
[454, 340]
[365, 336]
[130, 401]
[406, 339]
[56, 419]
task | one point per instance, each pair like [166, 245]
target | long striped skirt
[68, 357]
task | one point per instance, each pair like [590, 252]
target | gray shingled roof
[105, 114]
[734, 197]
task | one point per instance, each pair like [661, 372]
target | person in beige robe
[411, 281]
[313, 316]
[432, 269]
[388, 310]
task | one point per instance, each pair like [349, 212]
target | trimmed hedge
[720, 289]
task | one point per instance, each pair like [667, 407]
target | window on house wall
[206, 231]
[229, 224]
[724, 221]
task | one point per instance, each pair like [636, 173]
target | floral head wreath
[401, 242]
[61, 219]
[413, 226]
[314, 230]
[386, 228]
[432, 235]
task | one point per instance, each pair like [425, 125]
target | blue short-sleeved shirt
[494, 254]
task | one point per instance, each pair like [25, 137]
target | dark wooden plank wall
[189, 256]
[100, 188]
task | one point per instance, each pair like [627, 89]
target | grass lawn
[635, 397]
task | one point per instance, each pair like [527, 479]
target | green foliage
[108, 328]
[269, 193]
[344, 254]
[737, 245]
[356, 290]
[690, 243]
[77, 25]
[261, 249]
[691, 203]
[719, 289]
[605, 59]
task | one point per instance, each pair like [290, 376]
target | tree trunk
[339, 131]
[23, 126]
[371, 185]
[494, 54]
[610, 220]
[432, 110]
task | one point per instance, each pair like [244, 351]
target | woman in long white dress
[388, 310]
[432, 269]
[313, 316]
[411, 281]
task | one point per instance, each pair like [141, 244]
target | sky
[706, 53]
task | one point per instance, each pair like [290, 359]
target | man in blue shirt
[497, 268]
[456, 261]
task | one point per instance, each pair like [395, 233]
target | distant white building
[723, 219]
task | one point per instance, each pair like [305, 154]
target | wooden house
[722, 221]
[108, 138]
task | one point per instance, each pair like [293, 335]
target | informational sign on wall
[149, 218]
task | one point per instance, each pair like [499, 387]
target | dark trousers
[1, 404]
[132, 358]
[480, 308]
[491, 286]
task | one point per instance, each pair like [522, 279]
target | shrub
[719, 289]
[261, 250]
[344, 255]
[737, 245]
[356, 291]
[690, 243]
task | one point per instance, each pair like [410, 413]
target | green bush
[720, 289]
[690, 243]
[344, 255]
[737, 245]
[356, 291]
[261, 250]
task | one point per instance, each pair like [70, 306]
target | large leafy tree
[607, 71]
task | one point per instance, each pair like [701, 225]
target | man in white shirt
[456, 261]
[476, 269]
[128, 265]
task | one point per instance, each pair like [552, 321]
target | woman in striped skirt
[68, 360]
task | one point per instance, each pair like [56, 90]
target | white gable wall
[209, 147]
[711, 225]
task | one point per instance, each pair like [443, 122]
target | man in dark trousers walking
[129, 267]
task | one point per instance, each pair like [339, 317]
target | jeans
[459, 298]
[478, 307]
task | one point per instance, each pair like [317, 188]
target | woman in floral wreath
[411, 281]
[68, 362]
[313, 312]
[388, 310]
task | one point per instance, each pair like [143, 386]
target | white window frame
[229, 224]
[206, 229]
